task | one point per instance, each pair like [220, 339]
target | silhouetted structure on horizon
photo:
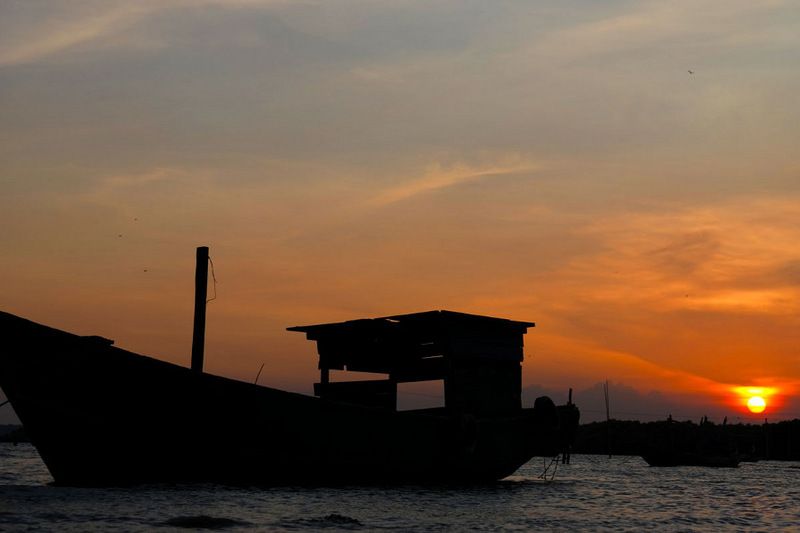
[745, 442]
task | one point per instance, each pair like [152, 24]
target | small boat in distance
[103, 416]
[686, 444]
[691, 459]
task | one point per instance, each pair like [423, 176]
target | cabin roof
[440, 319]
[415, 345]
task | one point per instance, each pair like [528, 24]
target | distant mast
[200, 295]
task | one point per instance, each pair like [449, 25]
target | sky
[624, 174]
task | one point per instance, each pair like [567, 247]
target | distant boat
[691, 459]
[103, 416]
[687, 444]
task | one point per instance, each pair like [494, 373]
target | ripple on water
[203, 522]
[333, 520]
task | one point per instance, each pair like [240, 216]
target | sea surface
[593, 493]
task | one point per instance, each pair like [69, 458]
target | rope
[553, 464]
[259, 374]
[214, 278]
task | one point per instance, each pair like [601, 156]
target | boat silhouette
[100, 415]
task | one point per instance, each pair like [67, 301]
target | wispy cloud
[649, 24]
[28, 39]
[50, 37]
[698, 258]
[691, 298]
[119, 186]
[438, 177]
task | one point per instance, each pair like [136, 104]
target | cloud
[438, 177]
[651, 24]
[691, 300]
[33, 33]
[54, 35]
[704, 252]
[786, 274]
[687, 252]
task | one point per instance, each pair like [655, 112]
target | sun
[756, 404]
[756, 399]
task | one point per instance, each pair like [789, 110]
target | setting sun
[755, 399]
[756, 404]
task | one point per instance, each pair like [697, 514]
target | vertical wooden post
[608, 419]
[200, 296]
[565, 455]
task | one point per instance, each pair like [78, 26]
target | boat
[100, 415]
[686, 444]
[671, 458]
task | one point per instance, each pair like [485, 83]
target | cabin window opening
[349, 375]
[420, 395]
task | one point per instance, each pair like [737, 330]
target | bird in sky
[691, 72]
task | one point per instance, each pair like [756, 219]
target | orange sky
[555, 163]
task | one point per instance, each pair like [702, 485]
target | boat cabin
[479, 359]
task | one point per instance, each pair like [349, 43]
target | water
[593, 493]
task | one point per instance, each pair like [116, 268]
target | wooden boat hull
[100, 416]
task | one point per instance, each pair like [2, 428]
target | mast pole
[200, 296]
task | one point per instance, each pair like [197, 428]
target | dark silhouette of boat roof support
[478, 358]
